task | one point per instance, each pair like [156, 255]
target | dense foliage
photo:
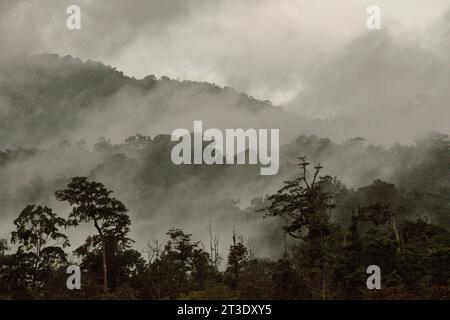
[326, 258]
[308, 232]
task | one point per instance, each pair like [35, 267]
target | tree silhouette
[40, 244]
[92, 203]
[237, 256]
[305, 204]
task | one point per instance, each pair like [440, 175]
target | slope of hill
[48, 99]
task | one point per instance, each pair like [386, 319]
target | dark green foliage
[287, 283]
[125, 265]
[336, 232]
[182, 266]
[40, 249]
[398, 220]
[91, 202]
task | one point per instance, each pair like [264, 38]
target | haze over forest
[63, 117]
[372, 107]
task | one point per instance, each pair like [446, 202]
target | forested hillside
[70, 128]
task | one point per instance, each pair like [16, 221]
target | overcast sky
[307, 55]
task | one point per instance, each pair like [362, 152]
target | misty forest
[87, 180]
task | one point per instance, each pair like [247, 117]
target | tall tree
[237, 257]
[305, 204]
[92, 203]
[40, 244]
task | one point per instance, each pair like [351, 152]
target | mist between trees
[206, 231]
[311, 237]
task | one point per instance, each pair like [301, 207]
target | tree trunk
[324, 278]
[324, 285]
[396, 233]
[105, 267]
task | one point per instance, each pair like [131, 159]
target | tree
[305, 204]
[286, 282]
[182, 266]
[237, 257]
[92, 203]
[125, 266]
[5, 265]
[41, 244]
